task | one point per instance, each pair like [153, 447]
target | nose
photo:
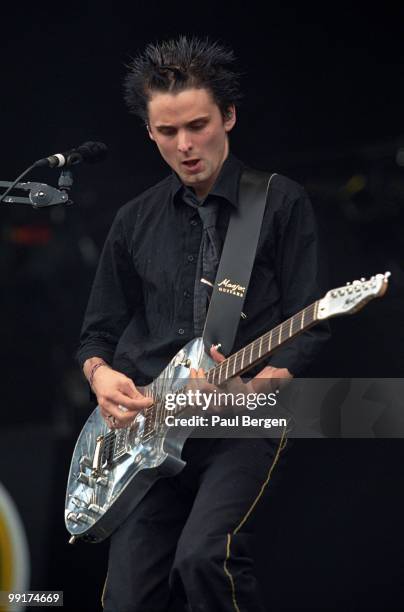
[184, 144]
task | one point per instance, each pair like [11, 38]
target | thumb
[214, 352]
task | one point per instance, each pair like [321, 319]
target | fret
[275, 337]
[242, 359]
[280, 334]
[149, 422]
[311, 314]
[160, 410]
[218, 369]
[270, 340]
[221, 375]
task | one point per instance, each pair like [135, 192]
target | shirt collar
[226, 185]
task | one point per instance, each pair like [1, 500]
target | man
[188, 543]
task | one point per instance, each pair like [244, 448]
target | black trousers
[187, 545]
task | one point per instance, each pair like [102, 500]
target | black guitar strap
[236, 262]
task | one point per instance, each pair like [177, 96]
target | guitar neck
[256, 351]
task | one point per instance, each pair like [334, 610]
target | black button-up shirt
[140, 311]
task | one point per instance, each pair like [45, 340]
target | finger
[115, 416]
[197, 381]
[107, 417]
[111, 422]
[128, 388]
[135, 404]
[260, 384]
[216, 356]
[114, 423]
[237, 385]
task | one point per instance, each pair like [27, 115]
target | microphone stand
[42, 195]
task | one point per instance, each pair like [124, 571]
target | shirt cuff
[94, 350]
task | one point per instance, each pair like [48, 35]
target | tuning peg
[387, 275]
[363, 280]
[348, 283]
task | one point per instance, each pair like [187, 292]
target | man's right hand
[118, 398]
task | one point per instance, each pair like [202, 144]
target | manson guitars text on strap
[238, 255]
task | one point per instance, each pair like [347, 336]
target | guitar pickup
[84, 479]
[72, 516]
[85, 462]
[84, 518]
[95, 508]
[101, 480]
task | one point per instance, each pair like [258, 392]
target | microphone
[89, 152]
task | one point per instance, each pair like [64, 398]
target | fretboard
[256, 351]
[234, 365]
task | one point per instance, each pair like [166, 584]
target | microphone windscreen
[93, 152]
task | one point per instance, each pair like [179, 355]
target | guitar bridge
[103, 455]
[111, 448]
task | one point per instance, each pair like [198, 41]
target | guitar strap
[236, 262]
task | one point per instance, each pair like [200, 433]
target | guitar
[111, 470]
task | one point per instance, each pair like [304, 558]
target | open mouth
[192, 164]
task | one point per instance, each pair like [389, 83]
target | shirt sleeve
[115, 293]
[297, 271]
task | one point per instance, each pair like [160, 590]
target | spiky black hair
[178, 64]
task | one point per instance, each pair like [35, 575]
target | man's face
[191, 135]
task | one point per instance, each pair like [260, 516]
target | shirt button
[190, 258]
[181, 331]
[187, 294]
[194, 222]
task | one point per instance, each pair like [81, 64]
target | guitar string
[235, 363]
[276, 332]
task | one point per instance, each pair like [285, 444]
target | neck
[259, 349]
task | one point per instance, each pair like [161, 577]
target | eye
[167, 131]
[197, 126]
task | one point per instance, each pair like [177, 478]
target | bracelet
[93, 371]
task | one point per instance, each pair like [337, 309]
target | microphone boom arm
[40, 195]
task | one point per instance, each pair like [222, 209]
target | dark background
[324, 99]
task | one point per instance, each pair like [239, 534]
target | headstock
[352, 297]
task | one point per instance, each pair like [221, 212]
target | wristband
[93, 371]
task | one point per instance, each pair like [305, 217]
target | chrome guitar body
[111, 470]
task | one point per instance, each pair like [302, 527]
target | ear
[149, 131]
[230, 118]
